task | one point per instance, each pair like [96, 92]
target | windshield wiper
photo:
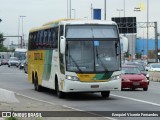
[102, 63]
[75, 63]
[73, 60]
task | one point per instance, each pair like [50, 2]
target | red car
[133, 78]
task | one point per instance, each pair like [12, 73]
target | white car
[13, 61]
[153, 67]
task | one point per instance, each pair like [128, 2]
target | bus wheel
[36, 86]
[60, 94]
[105, 94]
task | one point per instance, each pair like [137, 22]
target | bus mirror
[62, 44]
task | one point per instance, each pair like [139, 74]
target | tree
[2, 48]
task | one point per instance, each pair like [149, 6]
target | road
[16, 80]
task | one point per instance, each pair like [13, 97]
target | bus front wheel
[105, 94]
[60, 94]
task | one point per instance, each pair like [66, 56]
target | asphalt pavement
[27, 108]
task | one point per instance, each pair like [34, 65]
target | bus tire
[105, 94]
[37, 87]
[59, 93]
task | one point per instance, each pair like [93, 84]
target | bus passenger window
[56, 38]
[31, 41]
[45, 40]
[34, 39]
[49, 38]
[41, 40]
[37, 40]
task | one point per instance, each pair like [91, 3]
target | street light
[119, 10]
[124, 7]
[74, 10]
[147, 27]
[22, 29]
[105, 10]
[70, 8]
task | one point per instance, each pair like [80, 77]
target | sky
[38, 12]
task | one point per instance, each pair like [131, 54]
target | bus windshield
[92, 56]
[91, 31]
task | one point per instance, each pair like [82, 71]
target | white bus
[20, 53]
[75, 56]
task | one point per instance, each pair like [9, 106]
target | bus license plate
[94, 86]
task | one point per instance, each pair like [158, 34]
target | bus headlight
[115, 77]
[74, 78]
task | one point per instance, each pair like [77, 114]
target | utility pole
[70, 9]
[147, 27]
[105, 10]
[91, 11]
[156, 42]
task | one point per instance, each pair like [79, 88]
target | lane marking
[32, 98]
[133, 99]
[10, 73]
[65, 106]
[89, 112]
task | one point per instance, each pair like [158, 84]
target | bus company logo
[6, 114]
[84, 76]
[38, 56]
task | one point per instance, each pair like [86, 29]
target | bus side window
[34, 39]
[52, 38]
[45, 39]
[38, 39]
[41, 39]
[49, 38]
[31, 41]
[56, 38]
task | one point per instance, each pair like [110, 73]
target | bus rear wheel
[37, 87]
[105, 94]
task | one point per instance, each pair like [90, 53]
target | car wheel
[145, 89]
[105, 94]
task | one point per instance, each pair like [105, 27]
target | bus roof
[71, 22]
[20, 50]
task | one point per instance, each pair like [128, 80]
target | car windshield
[130, 70]
[14, 58]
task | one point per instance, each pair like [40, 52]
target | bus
[75, 56]
[20, 53]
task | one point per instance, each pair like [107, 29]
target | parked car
[4, 61]
[13, 61]
[133, 78]
[26, 66]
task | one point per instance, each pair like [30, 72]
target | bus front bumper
[77, 86]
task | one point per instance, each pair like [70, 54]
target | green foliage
[138, 55]
[126, 54]
[2, 48]
[11, 118]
